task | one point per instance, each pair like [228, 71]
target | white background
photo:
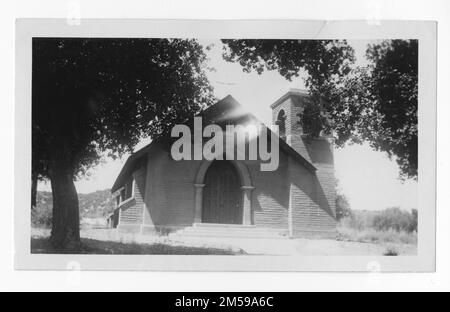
[176, 281]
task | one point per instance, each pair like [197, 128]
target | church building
[156, 193]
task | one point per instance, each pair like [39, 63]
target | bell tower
[285, 114]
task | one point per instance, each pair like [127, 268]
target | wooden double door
[222, 195]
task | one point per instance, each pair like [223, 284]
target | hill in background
[97, 204]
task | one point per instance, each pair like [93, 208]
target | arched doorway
[222, 195]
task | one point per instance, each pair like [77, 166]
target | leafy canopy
[378, 103]
[92, 96]
[321, 60]
[375, 103]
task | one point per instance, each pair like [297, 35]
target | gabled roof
[225, 111]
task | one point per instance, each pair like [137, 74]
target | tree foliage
[321, 60]
[378, 103]
[97, 96]
[389, 219]
[342, 207]
[396, 219]
[375, 103]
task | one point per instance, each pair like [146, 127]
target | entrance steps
[229, 230]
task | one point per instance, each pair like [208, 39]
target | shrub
[389, 219]
[41, 217]
[394, 219]
[391, 225]
[391, 251]
[342, 207]
[370, 235]
[414, 221]
[358, 220]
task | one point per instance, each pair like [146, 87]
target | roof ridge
[228, 99]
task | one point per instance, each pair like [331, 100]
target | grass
[350, 242]
[370, 235]
[41, 245]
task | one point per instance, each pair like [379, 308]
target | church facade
[156, 193]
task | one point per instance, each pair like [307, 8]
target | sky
[368, 179]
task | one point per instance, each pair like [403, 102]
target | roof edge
[291, 92]
[146, 149]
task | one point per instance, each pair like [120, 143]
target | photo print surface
[235, 148]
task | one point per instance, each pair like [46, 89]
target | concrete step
[225, 226]
[229, 227]
[231, 235]
[236, 231]
[214, 230]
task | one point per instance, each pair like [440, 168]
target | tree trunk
[65, 233]
[33, 190]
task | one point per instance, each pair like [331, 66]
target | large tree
[376, 103]
[96, 97]
[320, 61]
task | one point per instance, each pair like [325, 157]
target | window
[127, 191]
[281, 123]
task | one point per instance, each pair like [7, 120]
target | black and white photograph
[225, 155]
[227, 152]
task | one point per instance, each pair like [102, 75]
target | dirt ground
[109, 241]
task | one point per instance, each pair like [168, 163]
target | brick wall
[270, 198]
[170, 192]
[165, 192]
[312, 210]
[131, 211]
[292, 107]
[169, 196]
[312, 197]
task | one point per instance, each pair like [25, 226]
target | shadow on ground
[93, 246]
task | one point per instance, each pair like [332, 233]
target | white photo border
[424, 31]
